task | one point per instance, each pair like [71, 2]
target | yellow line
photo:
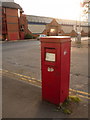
[81, 96]
[24, 78]
[17, 74]
[84, 96]
[33, 78]
[21, 75]
[5, 70]
[33, 81]
[29, 80]
[79, 91]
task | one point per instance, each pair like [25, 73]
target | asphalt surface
[22, 57]
[25, 58]
[23, 100]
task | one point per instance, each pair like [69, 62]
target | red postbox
[55, 66]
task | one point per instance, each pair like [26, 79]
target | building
[12, 21]
[37, 24]
[52, 26]
[14, 25]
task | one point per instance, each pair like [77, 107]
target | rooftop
[38, 19]
[41, 19]
[11, 5]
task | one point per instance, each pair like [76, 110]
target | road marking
[83, 96]
[34, 80]
[5, 70]
[23, 79]
[26, 76]
[29, 80]
[79, 91]
[18, 74]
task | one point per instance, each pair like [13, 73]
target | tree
[86, 13]
[85, 4]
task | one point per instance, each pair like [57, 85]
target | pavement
[23, 99]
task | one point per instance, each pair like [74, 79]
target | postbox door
[50, 81]
[50, 84]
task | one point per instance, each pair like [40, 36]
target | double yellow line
[34, 81]
[81, 93]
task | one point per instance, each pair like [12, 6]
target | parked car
[41, 35]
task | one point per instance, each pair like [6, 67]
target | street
[23, 59]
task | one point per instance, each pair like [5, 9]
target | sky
[63, 9]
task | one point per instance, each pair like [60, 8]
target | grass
[66, 106]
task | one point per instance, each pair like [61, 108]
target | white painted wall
[36, 28]
[67, 29]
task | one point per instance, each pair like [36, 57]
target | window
[52, 30]
[22, 28]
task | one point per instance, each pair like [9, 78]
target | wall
[35, 28]
[85, 29]
[23, 26]
[53, 28]
[57, 28]
[67, 28]
[12, 24]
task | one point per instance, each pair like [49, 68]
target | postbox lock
[50, 69]
[65, 52]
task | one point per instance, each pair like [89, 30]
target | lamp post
[78, 38]
[79, 33]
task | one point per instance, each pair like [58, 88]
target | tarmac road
[24, 57]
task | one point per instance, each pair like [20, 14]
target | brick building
[14, 23]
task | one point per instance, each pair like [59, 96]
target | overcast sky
[64, 9]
